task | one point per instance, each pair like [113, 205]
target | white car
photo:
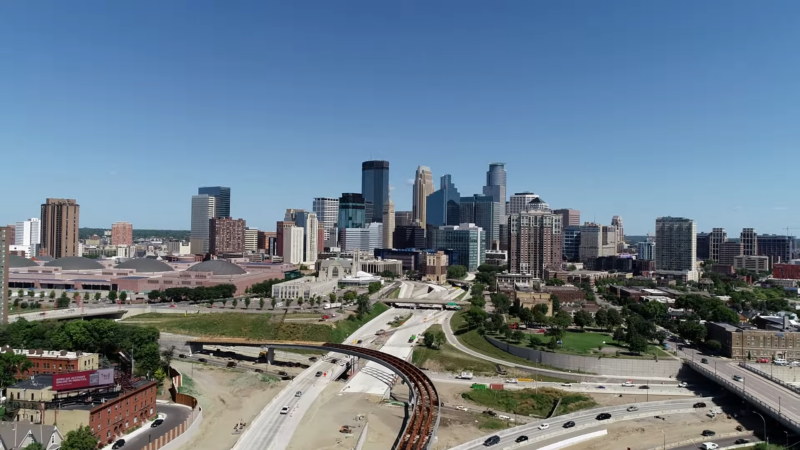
[709, 446]
[632, 408]
[285, 410]
[683, 384]
[627, 384]
[461, 408]
[544, 426]
[566, 384]
[512, 381]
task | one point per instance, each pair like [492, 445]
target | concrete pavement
[722, 442]
[175, 415]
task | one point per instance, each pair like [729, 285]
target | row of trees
[112, 295]
[195, 294]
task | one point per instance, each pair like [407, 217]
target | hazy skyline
[637, 109]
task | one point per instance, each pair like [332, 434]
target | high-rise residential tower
[60, 223]
[646, 250]
[28, 234]
[423, 187]
[718, 236]
[518, 202]
[251, 240]
[226, 235]
[222, 196]
[5, 235]
[375, 186]
[442, 205]
[616, 222]
[676, 245]
[496, 186]
[484, 212]
[749, 240]
[388, 223]
[204, 207]
[122, 233]
[310, 224]
[535, 242]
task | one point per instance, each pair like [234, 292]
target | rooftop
[61, 354]
[217, 267]
[41, 381]
[75, 263]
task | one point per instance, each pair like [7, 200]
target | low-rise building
[787, 271]
[779, 339]
[576, 276]
[751, 263]
[19, 435]
[436, 267]
[55, 361]
[566, 293]
[507, 281]
[497, 258]
[658, 298]
[305, 288]
[524, 296]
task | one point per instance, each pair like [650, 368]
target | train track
[422, 423]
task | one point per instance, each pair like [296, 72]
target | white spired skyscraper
[676, 247]
[423, 187]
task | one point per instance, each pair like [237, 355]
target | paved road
[273, 431]
[451, 339]
[587, 418]
[175, 416]
[722, 442]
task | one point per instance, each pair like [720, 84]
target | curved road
[452, 340]
[583, 420]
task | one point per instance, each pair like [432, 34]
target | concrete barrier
[362, 437]
[666, 367]
[704, 439]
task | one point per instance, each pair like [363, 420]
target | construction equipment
[345, 429]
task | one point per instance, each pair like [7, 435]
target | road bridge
[423, 301]
[113, 312]
[419, 430]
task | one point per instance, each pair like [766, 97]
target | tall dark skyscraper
[222, 196]
[375, 186]
[352, 211]
[443, 205]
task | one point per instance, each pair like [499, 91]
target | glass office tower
[375, 187]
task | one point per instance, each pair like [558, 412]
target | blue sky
[629, 107]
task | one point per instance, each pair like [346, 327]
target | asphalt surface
[722, 442]
[175, 416]
[588, 418]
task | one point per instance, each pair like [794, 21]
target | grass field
[450, 359]
[256, 326]
[491, 423]
[474, 341]
[530, 402]
[187, 386]
[394, 294]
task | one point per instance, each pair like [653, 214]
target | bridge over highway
[420, 427]
[423, 301]
[111, 312]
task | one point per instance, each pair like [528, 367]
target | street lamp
[787, 438]
[766, 438]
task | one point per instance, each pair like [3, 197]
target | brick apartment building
[226, 235]
[786, 271]
[55, 361]
[773, 338]
[122, 233]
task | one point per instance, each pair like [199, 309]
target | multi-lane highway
[583, 421]
[272, 430]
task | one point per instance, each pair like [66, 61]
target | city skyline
[388, 83]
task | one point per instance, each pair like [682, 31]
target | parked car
[285, 410]
[201, 360]
[490, 413]
[742, 441]
[627, 384]
[156, 423]
[512, 381]
[544, 426]
[313, 359]
[119, 444]
[521, 439]
[603, 416]
[737, 378]
[461, 408]
[699, 405]
[491, 441]
[601, 387]
[708, 433]
[569, 424]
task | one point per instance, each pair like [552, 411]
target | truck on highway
[331, 305]
[465, 376]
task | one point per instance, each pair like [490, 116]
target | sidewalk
[145, 426]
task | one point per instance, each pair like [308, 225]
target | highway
[273, 431]
[722, 442]
[451, 339]
[584, 420]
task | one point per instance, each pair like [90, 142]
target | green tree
[234, 302]
[478, 301]
[583, 319]
[434, 339]
[224, 302]
[112, 296]
[272, 302]
[713, 345]
[692, 330]
[619, 335]
[362, 306]
[12, 365]
[34, 446]
[572, 268]
[517, 336]
[332, 297]
[123, 296]
[374, 287]
[62, 302]
[20, 293]
[556, 303]
[525, 315]
[52, 295]
[456, 272]
[562, 320]
[247, 302]
[289, 302]
[552, 344]
[31, 294]
[97, 296]
[261, 304]
[535, 340]
[554, 282]
[500, 302]
[388, 274]
[601, 318]
[350, 296]
[153, 295]
[637, 343]
[475, 317]
[80, 439]
[160, 375]
[300, 301]
[614, 318]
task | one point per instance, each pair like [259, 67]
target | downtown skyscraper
[375, 187]
[676, 245]
[222, 197]
[204, 208]
[60, 222]
[423, 187]
[496, 186]
[535, 242]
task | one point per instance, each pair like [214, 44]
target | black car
[742, 441]
[201, 360]
[699, 405]
[644, 386]
[490, 413]
[491, 441]
[313, 359]
[603, 416]
[569, 424]
[521, 439]
[319, 374]
[156, 423]
[708, 433]
[119, 444]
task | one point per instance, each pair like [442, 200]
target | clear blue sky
[637, 108]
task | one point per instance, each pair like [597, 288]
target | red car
[763, 360]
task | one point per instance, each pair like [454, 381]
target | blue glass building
[352, 211]
[443, 205]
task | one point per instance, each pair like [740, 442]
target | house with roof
[18, 435]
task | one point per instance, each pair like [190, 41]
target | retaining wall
[178, 436]
[588, 364]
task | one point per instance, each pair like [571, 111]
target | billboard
[81, 380]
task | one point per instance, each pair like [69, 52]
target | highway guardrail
[565, 442]
[701, 439]
[792, 388]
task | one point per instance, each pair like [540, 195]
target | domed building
[217, 267]
[16, 262]
[75, 263]
[145, 265]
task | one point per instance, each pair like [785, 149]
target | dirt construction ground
[226, 397]
[644, 433]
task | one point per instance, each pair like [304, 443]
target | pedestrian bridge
[420, 427]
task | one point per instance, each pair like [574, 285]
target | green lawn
[394, 294]
[255, 326]
[450, 359]
[187, 386]
[474, 341]
[530, 402]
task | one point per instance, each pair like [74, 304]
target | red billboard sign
[81, 380]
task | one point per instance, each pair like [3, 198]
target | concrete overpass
[424, 301]
[419, 430]
[72, 314]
